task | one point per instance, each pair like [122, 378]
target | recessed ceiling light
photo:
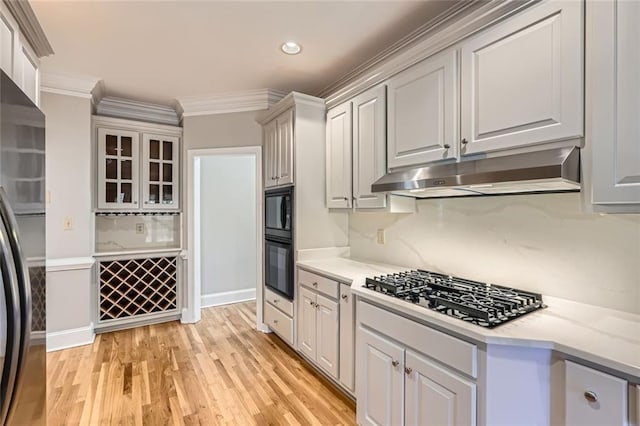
[291, 48]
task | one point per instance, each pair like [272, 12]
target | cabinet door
[307, 322]
[285, 148]
[613, 90]
[436, 396]
[7, 44]
[270, 154]
[369, 147]
[339, 156]
[118, 162]
[593, 397]
[160, 172]
[347, 337]
[522, 80]
[327, 335]
[28, 73]
[380, 386]
[422, 112]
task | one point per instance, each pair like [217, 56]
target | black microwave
[279, 213]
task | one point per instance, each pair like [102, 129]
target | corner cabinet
[613, 104]
[137, 165]
[278, 150]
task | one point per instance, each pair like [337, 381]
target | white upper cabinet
[522, 80]
[369, 147]
[7, 44]
[118, 173]
[160, 172]
[278, 150]
[339, 156]
[613, 102]
[422, 112]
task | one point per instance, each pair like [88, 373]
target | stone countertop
[603, 336]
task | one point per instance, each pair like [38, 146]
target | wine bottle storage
[134, 287]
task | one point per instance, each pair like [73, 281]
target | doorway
[224, 189]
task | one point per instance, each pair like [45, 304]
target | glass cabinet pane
[125, 146]
[112, 145]
[125, 192]
[125, 169]
[111, 193]
[154, 194]
[167, 194]
[167, 172]
[167, 150]
[111, 169]
[154, 149]
[154, 171]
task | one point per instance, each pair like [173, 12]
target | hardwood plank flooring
[218, 371]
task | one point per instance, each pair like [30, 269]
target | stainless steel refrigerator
[22, 258]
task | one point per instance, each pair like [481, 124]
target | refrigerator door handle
[14, 329]
[24, 284]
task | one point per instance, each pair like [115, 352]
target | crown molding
[136, 126]
[78, 86]
[30, 26]
[293, 99]
[462, 20]
[134, 110]
[249, 100]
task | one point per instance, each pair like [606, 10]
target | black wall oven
[278, 235]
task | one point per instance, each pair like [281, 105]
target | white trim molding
[291, 100]
[69, 85]
[125, 108]
[30, 27]
[70, 264]
[71, 338]
[249, 100]
[227, 297]
[136, 126]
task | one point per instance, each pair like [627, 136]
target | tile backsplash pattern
[542, 243]
[118, 233]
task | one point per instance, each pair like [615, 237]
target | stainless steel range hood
[543, 171]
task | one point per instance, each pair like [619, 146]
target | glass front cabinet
[138, 166]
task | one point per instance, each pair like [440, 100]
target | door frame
[191, 312]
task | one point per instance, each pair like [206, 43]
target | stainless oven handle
[24, 284]
[283, 213]
[14, 329]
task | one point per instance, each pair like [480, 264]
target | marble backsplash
[542, 243]
[116, 233]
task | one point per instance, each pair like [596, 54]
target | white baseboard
[58, 340]
[227, 297]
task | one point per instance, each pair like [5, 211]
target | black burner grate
[486, 305]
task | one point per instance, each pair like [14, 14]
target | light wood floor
[219, 371]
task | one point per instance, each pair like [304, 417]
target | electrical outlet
[380, 236]
[139, 228]
[67, 224]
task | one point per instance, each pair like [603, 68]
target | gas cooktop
[486, 305]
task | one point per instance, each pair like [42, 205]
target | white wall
[542, 243]
[228, 223]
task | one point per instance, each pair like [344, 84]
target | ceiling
[157, 51]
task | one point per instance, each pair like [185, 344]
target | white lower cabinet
[347, 337]
[399, 386]
[318, 329]
[594, 398]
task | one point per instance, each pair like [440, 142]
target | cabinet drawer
[319, 283]
[279, 302]
[593, 397]
[278, 322]
[449, 350]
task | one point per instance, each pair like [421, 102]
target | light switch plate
[380, 236]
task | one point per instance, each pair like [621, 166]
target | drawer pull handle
[275, 321]
[315, 284]
[344, 297]
[275, 300]
[447, 146]
[395, 363]
[408, 370]
[591, 396]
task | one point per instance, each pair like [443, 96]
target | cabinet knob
[447, 146]
[464, 141]
[275, 321]
[315, 284]
[317, 306]
[275, 300]
[591, 396]
[395, 363]
[408, 370]
[344, 297]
